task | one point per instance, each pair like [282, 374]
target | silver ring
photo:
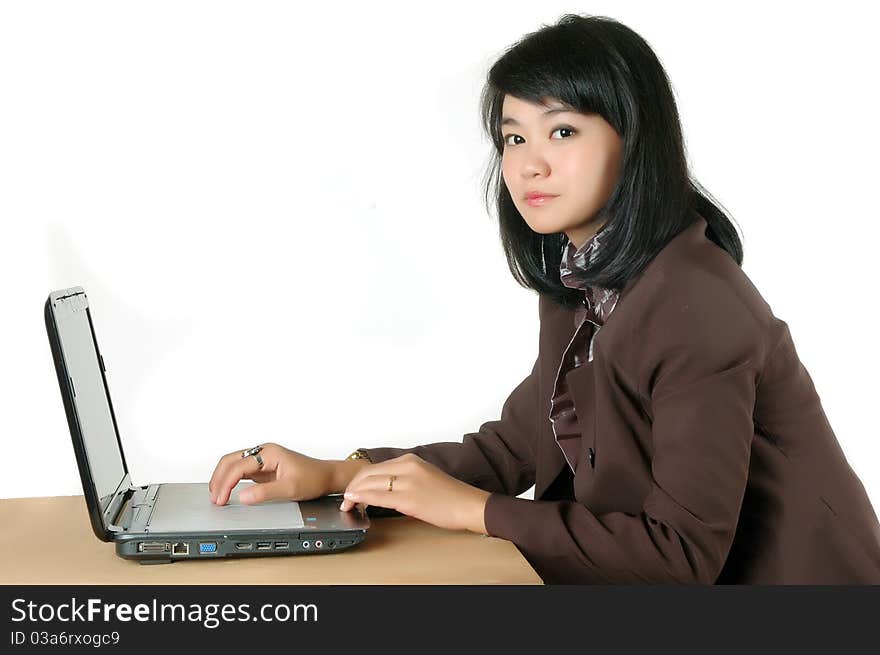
[259, 458]
[251, 451]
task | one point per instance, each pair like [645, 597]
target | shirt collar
[580, 258]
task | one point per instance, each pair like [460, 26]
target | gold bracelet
[360, 453]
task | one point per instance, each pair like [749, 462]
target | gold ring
[391, 482]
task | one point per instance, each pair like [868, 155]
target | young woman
[668, 426]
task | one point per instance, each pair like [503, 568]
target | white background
[276, 213]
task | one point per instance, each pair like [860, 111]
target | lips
[538, 200]
[533, 195]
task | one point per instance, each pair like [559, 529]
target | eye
[564, 128]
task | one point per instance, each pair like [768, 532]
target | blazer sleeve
[499, 456]
[702, 368]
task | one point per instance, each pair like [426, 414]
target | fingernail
[350, 494]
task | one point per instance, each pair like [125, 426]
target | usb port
[281, 545]
[264, 545]
[244, 546]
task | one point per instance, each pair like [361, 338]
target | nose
[534, 165]
[533, 162]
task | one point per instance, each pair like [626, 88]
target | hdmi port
[243, 546]
[264, 545]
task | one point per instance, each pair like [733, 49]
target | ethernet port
[180, 549]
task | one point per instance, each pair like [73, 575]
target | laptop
[163, 523]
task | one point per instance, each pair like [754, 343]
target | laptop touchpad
[186, 507]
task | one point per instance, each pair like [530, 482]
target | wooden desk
[50, 541]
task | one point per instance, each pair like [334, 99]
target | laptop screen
[91, 397]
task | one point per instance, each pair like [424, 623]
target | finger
[264, 491]
[373, 490]
[222, 467]
[372, 497]
[241, 469]
[389, 467]
[270, 454]
[380, 470]
[346, 506]
[379, 482]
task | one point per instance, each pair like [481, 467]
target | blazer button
[592, 459]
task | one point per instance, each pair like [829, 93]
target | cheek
[511, 183]
[592, 169]
[505, 172]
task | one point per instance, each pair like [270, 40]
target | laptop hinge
[113, 514]
[137, 508]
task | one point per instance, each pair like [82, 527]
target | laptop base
[156, 549]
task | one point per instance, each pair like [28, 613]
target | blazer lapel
[557, 330]
[551, 460]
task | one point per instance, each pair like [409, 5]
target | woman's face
[573, 156]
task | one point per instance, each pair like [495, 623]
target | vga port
[207, 547]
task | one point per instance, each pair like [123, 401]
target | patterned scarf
[589, 318]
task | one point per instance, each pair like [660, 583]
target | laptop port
[244, 546]
[281, 545]
[306, 545]
[153, 547]
[207, 547]
[319, 544]
[180, 549]
[264, 545]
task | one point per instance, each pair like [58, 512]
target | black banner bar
[410, 618]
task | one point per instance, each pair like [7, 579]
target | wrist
[477, 522]
[342, 471]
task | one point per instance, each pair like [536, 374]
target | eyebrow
[509, 120]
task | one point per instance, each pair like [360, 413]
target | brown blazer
[712, 459]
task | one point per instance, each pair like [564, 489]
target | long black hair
[596, 65]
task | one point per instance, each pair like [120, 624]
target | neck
[583, 233]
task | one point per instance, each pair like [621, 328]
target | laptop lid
[93, 430]
[98, 445]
